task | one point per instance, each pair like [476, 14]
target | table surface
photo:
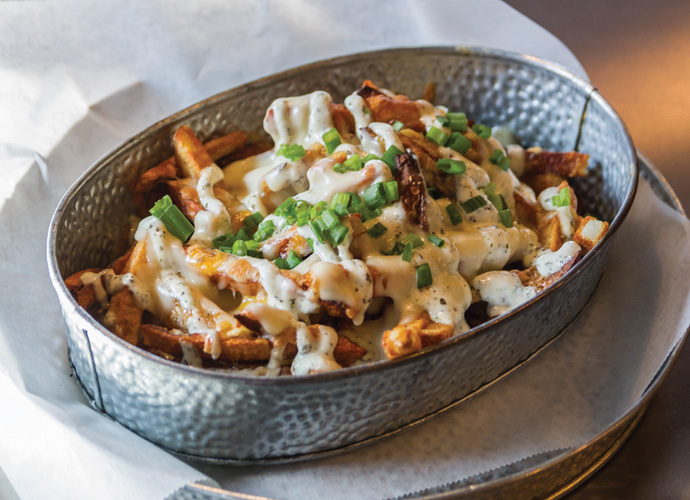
[637, 53]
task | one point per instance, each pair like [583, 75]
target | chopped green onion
[316, 210]
[454, 213]
[302, 218]
[424, 276]
[329, 218]
[496, 199]
[340, 209]
[375, 195]
[391, 189]
[225, 240]
[407, 252]
[396, 249]
[267, 224]
[263, 234]
[439, 242]
[458, 121]
[443, 120]
[451, 166]
[354, 162]
[366, 213]
[506, 217]
[252, 221]
[562, 199]
[239, 248]
[338, 233]
[368, 158]
[473, 204]
[481, 130]
[254, 249]
[377, 230]
[499, 159]
[302, 206]
[292, 152]
[317, 227]
[293, 260]
[175, 221]
[355, 204]
[339, 168]
[332, 140]
[341, 199]
[437, 135]
[434, 193]
[398, 125]
[285, 208]
[281, 263]
[413, 239]
[243, 235]
[389, 157]
[459, 143]
[311, 243]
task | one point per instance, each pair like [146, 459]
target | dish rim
[242, 376]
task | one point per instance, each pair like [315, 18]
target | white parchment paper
[78, 78]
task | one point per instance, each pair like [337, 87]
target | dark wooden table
[637, 53]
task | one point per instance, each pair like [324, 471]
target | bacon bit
[412, 189]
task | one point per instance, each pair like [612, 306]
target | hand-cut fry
[570, 164]
[531, 277]
[237, 349]
[389, 109]
[184, 195]
[429, 92]
[590, 232]
[124, 317]
[190, 154]
[167, 170]
[412, 189]
[411, 337]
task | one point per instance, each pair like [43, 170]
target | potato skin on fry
[412, 189]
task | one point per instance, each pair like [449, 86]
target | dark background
[637, 53]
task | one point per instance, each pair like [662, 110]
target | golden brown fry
[167, 170]
[590, 232]
[224, 270]
[429, 92]
[570, 164]
[190, 154]
[236, 349]
[124, 317]
[388, 109]
[184, 195]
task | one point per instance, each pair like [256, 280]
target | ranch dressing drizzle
[549, 262]
[214, 220]
[502, 290]
[299, 120]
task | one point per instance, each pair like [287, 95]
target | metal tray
[237, 418]
[549, 475]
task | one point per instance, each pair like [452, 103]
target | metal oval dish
[239, 418]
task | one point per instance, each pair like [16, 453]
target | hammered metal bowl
[239, 418]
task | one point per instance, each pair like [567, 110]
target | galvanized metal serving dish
[237, 417]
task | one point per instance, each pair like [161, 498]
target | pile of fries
[364, 230]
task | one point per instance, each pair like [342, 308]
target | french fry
[236, 349]
[124, 317]
[190, 154]
[570, 164]
[590, 232]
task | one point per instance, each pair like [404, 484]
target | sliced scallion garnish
[438, 136]
[331, 139]
[424, 277]
[449, 166]
[377, 230]
[175, 221]
[459, 143]
[292, 151]
[454, 213]
[473, 204]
